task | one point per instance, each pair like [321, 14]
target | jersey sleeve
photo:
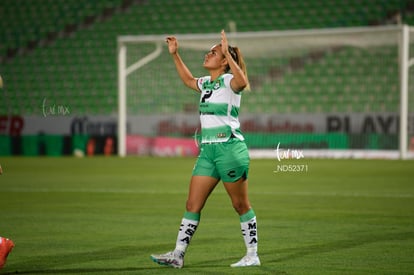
[200, 82]
[227, 79]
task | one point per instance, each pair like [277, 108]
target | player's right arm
[186, 76]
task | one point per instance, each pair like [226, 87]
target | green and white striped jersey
[219, 109]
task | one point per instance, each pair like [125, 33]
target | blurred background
[58, 62]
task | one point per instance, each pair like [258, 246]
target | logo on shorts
[231, 174]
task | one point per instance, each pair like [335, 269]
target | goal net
[346, 92]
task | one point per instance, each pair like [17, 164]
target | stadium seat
[85, 61]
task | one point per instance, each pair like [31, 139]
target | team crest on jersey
[216, 86]
[211, 85]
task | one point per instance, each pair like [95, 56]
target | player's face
[214, 58]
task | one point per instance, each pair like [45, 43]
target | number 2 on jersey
[208, 94]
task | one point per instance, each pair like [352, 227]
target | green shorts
[228, 161]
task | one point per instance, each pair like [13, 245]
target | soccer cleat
[247, 261]
[6, 246]
[168, 259]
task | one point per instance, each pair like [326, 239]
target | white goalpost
[405, 63]
[123, 72]
[343, 92]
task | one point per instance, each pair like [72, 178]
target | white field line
[134, 191]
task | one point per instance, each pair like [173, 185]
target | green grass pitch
[107, 215]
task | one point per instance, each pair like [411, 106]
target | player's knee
[241, 207]
[190, 206]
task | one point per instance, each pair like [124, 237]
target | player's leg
[199, 191]
[203, 181]
[200, 188]
[233, 168]
[238, 195]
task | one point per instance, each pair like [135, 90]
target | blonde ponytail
[240, 61]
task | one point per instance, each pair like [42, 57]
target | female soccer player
[223, 154]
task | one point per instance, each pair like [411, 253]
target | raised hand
[224, 43]
[172, 44]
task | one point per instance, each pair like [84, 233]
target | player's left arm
[239, 81]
